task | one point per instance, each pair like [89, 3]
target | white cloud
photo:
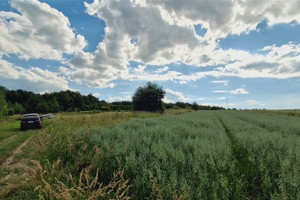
[126, 93]
[236, 91]
[252, 102]
[94, 78]
[96, 94]
[162, 32]
[140, 74]
[156, 42]
[221, 98]
[277, 62]
[37, 31]
[200, 99]
[117, 98]
[220, 91]
[173, 96]
[163, 69]
[221, 82]
[33, 79]
[152, 33]
[228, 17]
[239, 91]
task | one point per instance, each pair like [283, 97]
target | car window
[32, 117]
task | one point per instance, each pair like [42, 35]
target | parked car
[31, 120]
[47, 117]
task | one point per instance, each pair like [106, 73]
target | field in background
[197, 155]
[295, 112]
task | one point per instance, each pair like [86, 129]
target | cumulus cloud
[91, 77]
[152, 33]
[162, 32]
[239, 91]
[163, 69]
[33, 79]
[133, 33]
[156, 40]
[37, 31]
[277, 62]
[173, 96]
[228, 17]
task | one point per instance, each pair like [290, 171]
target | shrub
[149, 98]
[105, 108]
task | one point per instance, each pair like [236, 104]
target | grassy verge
[11, 136]
[8, 127]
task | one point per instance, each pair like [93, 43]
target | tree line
[21, 101]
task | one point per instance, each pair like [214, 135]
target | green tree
[42, 107]
[53, 106]
[32, 102]
[3, 104]
[18, 108]
[195, 106]
[149, 98]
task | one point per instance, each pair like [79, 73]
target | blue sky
[204, 51]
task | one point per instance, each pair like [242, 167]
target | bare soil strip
[2, 142]
[10, 159]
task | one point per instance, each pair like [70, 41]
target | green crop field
[195, 155]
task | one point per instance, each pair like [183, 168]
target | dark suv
[31, 120]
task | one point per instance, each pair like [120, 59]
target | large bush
[149, 98]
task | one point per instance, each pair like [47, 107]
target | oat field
[195, 155]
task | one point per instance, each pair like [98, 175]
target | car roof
[30, 115]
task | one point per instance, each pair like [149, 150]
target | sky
[230, 53]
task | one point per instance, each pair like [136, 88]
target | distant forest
[20, 101]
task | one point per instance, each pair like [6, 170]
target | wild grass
[55, 184]
[9, 127]
[67, 123]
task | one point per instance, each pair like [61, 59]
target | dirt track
[17, 150]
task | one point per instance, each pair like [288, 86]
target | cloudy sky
[208, 51]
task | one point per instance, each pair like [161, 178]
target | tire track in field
[17, 150]
[246, 171]
[7, 139]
